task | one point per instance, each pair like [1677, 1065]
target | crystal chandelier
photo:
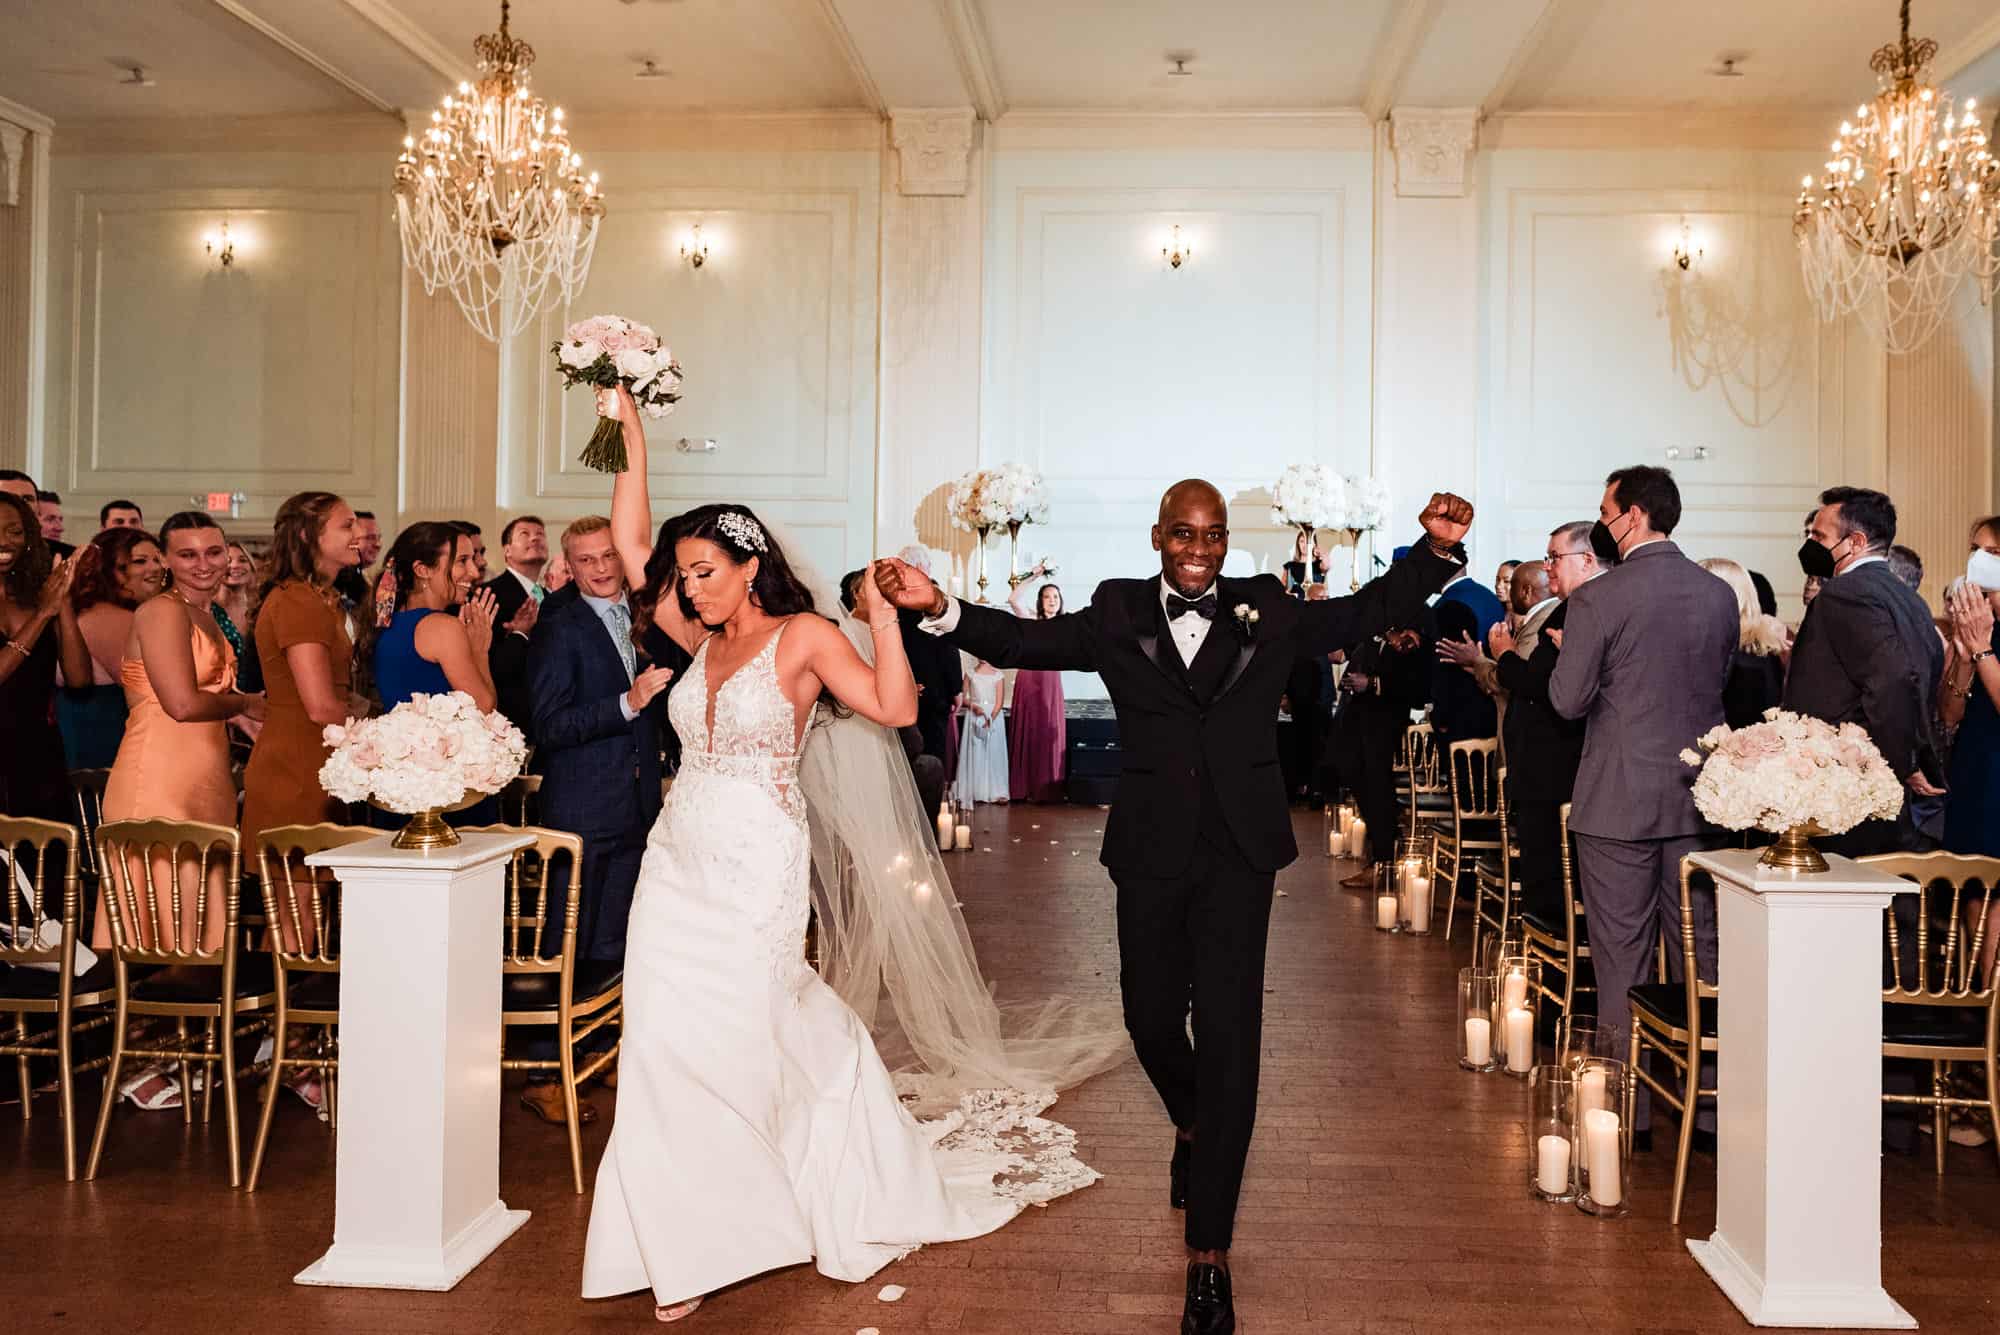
[1908, 208]
[492, 203]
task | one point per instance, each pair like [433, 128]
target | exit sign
[218, 502]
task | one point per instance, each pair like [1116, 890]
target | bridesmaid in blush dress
[1037, 736]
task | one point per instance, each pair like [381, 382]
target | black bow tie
[1203, 607]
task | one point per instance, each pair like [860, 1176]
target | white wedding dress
[756, 1126]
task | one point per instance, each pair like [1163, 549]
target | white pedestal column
[1798, 1216]
[417, 1176]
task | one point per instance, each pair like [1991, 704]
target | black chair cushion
[253, 978]
[40, 984]
[1549, 926]
[1933, 1026]
[1668, 1002]
[537, 991]
[313, 990]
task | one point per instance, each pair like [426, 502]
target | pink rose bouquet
[604, 352]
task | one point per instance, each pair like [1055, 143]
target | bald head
[1530, 586]
[1192, 536]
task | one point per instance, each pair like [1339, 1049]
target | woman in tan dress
[307, 656]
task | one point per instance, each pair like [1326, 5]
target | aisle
[1385, 1192]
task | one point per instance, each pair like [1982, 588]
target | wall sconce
[693, 249]
[218, 244]
[1686, 254]
[1177, 251]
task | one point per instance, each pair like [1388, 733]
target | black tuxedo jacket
[1207, 732]
[508, 658]
[600, 774]
[1543, 748]
[1869, 653]
[936, 667]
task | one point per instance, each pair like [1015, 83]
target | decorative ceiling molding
[25, 117]
[1345, 129]
[1392, 59]
[12, 140]
[235, 9]
[856, 65]
[967, 28]
[397, 28]
[933, 148]
[1746, 128]
[1524, 54]
[1433, 146]
[1976, 45]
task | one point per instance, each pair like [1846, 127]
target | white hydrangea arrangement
[1315, 496]
[426, 754]
[986, 498]
[1790, 770]
[1367, 504]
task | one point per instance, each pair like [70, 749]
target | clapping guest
[1972, 700]
[235, 612]
[308, 661]
[38, 629]
[119, 569]
[1465, 611]
[1757, 670]
[518, 593]
[1868, 653]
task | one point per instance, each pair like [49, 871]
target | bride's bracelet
[879, 627]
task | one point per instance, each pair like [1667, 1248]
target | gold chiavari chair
[1678, 1021]
[540, 989]
[1495, 896]
[520, 801]
[164, 927]
[303, 904]
[1562, 945]
[1423, 788]
[38, 964]
[1937, 1006]
[1472, 777]
[88, 785]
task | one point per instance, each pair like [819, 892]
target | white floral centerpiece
[1009, 496]
[1793, 776]
[425, 756]
[1310, 497]
[1367, 504]
[604, 352]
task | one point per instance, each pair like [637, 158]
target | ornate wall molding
[1433, 146]
[13, 140]
[934, 149]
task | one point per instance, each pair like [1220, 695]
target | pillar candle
[1420, 900]
[962, 837]
[945, 824]
[1590, 1092]
[1516, 991]
[1357, 838]
[1552, 1164]
[1478, 1040]
[1601, 1151]
[1336, 843]
[1385, 914]
[1520, 1038]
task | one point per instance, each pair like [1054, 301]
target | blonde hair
[582, 528]
[1756, 633]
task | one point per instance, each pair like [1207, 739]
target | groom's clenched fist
[1446, 519]
[908, 587]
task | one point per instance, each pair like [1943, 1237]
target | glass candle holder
[1551, 1133]
[1495, 947]
[1333, 830]
[1601, 1148]
[1476, 995]
[1413, 886]
[1518, 980]
[1576, 1039]
[1384, 901]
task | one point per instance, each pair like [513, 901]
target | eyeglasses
[1557, 556]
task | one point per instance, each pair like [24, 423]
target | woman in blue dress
[418, 648]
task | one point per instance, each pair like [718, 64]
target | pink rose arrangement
[604, 352]
[1789, 770]
[425, 754]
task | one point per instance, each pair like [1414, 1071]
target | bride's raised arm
[632, 525]
[884, 694]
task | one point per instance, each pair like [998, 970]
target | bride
[758, 1126]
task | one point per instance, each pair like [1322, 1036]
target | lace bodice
[747, 729]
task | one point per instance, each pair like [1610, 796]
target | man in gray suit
[1645, 652]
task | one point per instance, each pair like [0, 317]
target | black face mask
[1816, 560]
[1603, 544]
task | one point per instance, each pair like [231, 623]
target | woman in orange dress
[303, 645]
[179, 675]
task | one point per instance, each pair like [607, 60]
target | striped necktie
[621, 635]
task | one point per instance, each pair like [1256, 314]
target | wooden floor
[1386, 1190]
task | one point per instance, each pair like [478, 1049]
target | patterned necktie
[537, 592]
[621, 635]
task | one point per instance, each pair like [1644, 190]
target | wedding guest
[117, 570]
[48, 505]
[1303, 700]
[1767, 596]
[120, 514]
[982, 739]
[308, 658]
[1543, 748]
[14, 482]
[1386, 681]
[472, 531]
[179, 678]
[38, 630]
[1297, 574]
[1645, 652]
[1037, 732]
[416, 647]
[1907, 565]
[517, 593]
[1868, 653]
[1810, 590]
[368, 531]
[1503, 584]
[1465, 611]
[353, 584]
[926, 771]
[555, 575]
[235, 612]
[1972, 701]
[1757, 669]
[939, 672]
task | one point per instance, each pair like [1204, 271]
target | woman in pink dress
[1036, 738]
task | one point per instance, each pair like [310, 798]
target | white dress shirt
[1189, 630]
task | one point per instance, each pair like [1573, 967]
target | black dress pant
[1538, 825]
[1301, 758]
[1196, 941]
[1378, 732]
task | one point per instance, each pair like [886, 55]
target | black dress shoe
[1209, 1310]
[1177, 1173]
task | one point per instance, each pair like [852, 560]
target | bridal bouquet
[426, 754]
[604, 352]
[1790, 771]
[1310, 496]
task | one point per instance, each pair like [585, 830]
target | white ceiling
[313, 57]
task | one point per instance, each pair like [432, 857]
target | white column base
[1862, 1307]
[363, 1267]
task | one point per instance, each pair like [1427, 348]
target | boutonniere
[1246, 618]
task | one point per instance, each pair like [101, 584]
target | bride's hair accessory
[744, 531]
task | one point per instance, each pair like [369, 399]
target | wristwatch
[1978, 657]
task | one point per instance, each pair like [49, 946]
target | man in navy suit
[1465, 611]
[598, 741]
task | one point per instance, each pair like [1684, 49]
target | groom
[1195, 665]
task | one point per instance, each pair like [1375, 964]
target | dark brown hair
[295, 539]
[99, 565]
